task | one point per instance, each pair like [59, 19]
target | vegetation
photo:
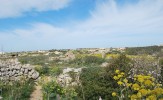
[134, 74]
[140, 88]
[150, 50]
[88, 61]
[53, 91]
[34, 60]
[17, 90]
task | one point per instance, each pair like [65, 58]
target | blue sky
[58, 24]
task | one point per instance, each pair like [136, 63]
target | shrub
[88, 60]
[95, 82]
[53, 91]
[17, 90]
[141, 88]
[43, 70]
[34, 60]
[161, 64]
[121, 62]
[55, 71]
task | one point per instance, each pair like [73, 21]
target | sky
[27, 25]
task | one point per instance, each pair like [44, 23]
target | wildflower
[135, 86]
[139, 95]
[128, 84]
[115, 78]
[144, 92]
[158, 91]
[125, 80]
[114, 94]
[159, 85]
[142, 86]
[134, 97]
[120, 83]
[148, 91]
[151, 97]
[135, 76]
[148, 82]
[153, 79]
[139, 76]
[119, 76]
[117, 71]
[147, 77]
[122, 73]
[141, 80]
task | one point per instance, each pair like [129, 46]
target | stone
[25, 71]
[13, 70]
[35, 75]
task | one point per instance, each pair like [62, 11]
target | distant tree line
[150, 50]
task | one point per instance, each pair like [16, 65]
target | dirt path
[37, 93]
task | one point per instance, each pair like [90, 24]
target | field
[84, 74]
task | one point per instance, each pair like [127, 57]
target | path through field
[37, 93]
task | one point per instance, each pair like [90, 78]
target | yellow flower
[125, 80]
[134, 97]
[152, 97]
[117, 71]
[122, 73]
[139, 95]
[149, 91]
[142, 86]
[139, 76]
[120, 83]
[159, 85]
[135, 76]
[158, 91]
[128, 84]
[141, 80]
[135, 86]
[147, 77]
[148, 82]
[153, 79]
[144, 92]
[119, 76]
[114, 94]
[115, 78]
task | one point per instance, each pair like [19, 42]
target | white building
[1, 52]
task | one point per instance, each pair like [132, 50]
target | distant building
[41, 51]
[161, 45]
[1, 52]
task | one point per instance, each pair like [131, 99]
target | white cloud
[142, 17]
[108, 25]
[13, 8]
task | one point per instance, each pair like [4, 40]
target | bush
[34, 60]
[95, 82]
[43, 70]
[53, 91]
[88, 60]
[17, 90]
[55, 71]
[143, 87]
[121, 62]
[161, 65]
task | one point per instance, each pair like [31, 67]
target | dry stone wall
[65, 79]
[12, 70]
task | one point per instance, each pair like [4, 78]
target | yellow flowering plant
[142, 87]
